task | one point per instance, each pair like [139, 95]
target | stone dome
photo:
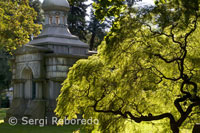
[55, 5]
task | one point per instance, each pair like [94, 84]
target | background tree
[147, 70]
[16, 24]
[97, 28]
[92, 31]
[37, 6]
[76, 18]
[97, 31]
[5, 73]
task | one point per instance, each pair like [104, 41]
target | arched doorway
[29, 86]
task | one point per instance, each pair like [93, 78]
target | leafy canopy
[16, 23]
[76, 19]
[146, 71]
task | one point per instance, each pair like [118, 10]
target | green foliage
[16, 23]
[17, 20]
[5, 73]
[37, 6]
[112, 8]
[108, 8]
[6, 128]
[76, 18]
[96, 31]
[3, 113]
[146, 71]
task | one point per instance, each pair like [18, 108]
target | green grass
[3, 113]
[6, 128]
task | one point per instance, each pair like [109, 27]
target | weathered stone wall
[63, 49]
[32, 61]
[57, 67]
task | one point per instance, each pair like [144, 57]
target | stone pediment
[32, 49]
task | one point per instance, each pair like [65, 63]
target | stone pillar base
[31, 109]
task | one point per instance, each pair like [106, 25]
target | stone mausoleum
[40, 67]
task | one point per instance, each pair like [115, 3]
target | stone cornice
[67, 55]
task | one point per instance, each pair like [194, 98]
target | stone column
[39, 90]
[46, 19]
[66, 17]
[51, 89]
[53, 19]
[21, 90]
[18, 91]
[15, 91]
[62, 19]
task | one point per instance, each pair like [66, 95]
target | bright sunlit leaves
[16, 24]
[137, 69]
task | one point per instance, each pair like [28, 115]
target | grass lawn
[6, 128]
[2, 114]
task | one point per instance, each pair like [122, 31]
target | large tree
[16, 23]
[146, 71]
[76, 18]
[37, 6]
[97, 31]
[5, 73]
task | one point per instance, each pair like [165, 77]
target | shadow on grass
[6, 128]
[3, 113]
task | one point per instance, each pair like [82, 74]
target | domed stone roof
[53, 5]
